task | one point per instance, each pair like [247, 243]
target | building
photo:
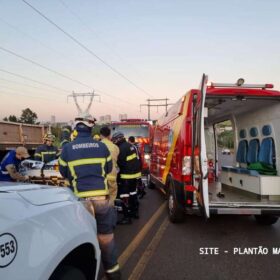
[52, 120]
[122, 117]
[105, 119]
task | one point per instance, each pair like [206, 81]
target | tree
[27, 116]
[11, 118]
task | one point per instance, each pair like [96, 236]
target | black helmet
[117, 137]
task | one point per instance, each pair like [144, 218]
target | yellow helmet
[49, 137]
[96, 137]
[73, 135]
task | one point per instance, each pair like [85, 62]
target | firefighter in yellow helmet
[47, 151]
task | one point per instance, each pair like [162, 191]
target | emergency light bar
[240, 84]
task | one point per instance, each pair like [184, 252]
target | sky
[130, 51]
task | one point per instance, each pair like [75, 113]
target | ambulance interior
[249, 172]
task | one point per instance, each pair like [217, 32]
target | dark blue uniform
[85, 163]
[130, 172]
[46, 153]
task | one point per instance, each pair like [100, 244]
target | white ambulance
[189, 166]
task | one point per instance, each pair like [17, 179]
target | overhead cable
[32, 80]
[88, 28]
[26, 85]
[60, 89]
[86, 48]
[44, 67]
[24, 95]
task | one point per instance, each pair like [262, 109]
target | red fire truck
[142, 131]
[189, 166]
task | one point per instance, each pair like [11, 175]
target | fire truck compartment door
[199, 140]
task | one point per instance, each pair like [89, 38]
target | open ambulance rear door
[199, 149]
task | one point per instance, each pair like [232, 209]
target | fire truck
[189, 167]
[142, 131]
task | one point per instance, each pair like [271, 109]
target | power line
[26, 85]
[103, 92]
[106, 44]
[60, 89]
[43, 44]
[149, 105]
[32, 80]
[44, 67]
[86, 48]
[24, 95]
[31, 37]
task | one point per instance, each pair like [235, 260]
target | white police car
[45, 233]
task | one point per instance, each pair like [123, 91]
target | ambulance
[188, 165]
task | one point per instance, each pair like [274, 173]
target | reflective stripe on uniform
[124, 195]
[109, 158]
[66, 129]
[79, 162]
[113, 269]
[133, 193]
[38, 155]
[62, 162]
[130, 176]
[131, 157]
[47, 153]
[64, 141]
[91, 193]
[4, 172]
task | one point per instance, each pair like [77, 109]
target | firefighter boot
[133, 206]
[140, 188]
[126, 220]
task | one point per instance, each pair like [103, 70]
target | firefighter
[86, 163]
[47, 152]
[9, 166]
[105, 134]
[65, 135]
[129, 172]
[140, 186]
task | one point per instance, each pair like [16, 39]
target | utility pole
[75, 96]
[161, 104]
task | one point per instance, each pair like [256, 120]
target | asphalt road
[153, 248]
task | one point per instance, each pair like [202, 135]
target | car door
[200, 164]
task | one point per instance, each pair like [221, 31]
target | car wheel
[67, 272]
[175, 213]
[266, 219]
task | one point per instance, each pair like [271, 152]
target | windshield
[135, 130]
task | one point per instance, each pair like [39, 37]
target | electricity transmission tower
[161, 104]
[75, 96]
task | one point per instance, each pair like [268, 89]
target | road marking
[142, 263]
[140, 236]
